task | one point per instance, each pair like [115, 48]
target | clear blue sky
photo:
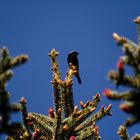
[35, 27]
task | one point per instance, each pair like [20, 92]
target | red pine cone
[107, 93]
[51, 112]
[72, 138]
[35, 134]
[120, 64]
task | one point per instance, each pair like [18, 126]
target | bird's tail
[78, 78]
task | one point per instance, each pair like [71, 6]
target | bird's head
[73, 53]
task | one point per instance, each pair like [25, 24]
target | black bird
[72, 58]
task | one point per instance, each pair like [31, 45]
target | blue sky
[35, 27]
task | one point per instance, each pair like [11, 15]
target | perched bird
[72, 58]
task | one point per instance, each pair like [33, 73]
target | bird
[72, 59]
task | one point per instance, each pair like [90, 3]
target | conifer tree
[63, 122]
[131, 97]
